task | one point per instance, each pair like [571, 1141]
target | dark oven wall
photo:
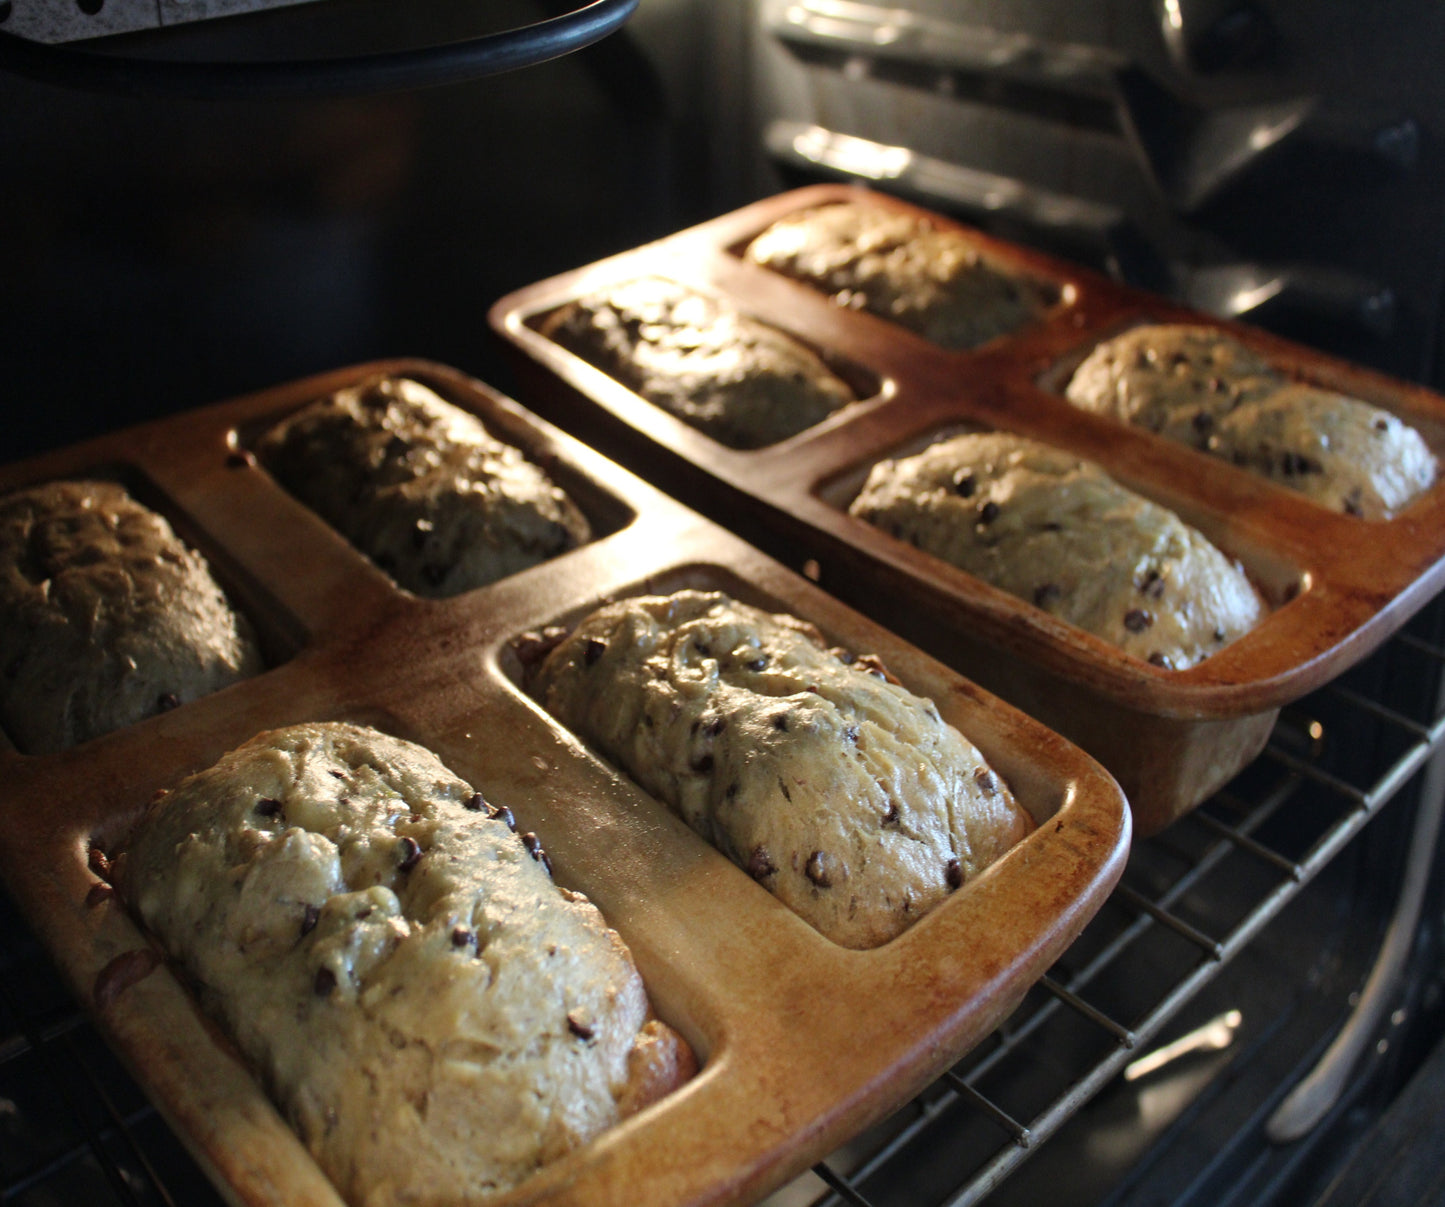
[1278, 161]
[161, 254]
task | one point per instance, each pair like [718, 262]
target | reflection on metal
[1214, 1036]
[939, 182]
[1341, 299]
[1311, 1100]
[845, 25]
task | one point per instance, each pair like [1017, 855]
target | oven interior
[1257, 160]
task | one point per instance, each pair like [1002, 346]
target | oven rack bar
[1224, 831]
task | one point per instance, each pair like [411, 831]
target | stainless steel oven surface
[1254, 1016]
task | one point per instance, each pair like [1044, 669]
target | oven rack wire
[75, 1128]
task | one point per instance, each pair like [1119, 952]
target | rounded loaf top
[106, 616]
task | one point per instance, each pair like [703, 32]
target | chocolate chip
[534, 848]
[475, 803]
[1382, 425]
[953, 873]
[592, 650]
[408, 852]
[504, 815]
[578, 1028]
[780, 722]
[964, 484]
[702, 765]
[1218, 634]
[268, 807]
[341, 775]
[167, 701]
[1046, 594]
[310, 916]
[757, 664]
[846, 657]
[816, 870]
[988, 513]
[1160, 659]
[788, 796]
[324, 983]
[462, 937]
[986, 780]
[760, 866]
[1136, 620]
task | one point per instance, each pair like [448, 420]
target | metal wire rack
[74, 1127]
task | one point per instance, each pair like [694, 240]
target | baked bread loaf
[435, 1017]
[1198, 386]
[742, 382]
[838, 790]
[1059, 532]
[929, 279]
[106, 617]
[421, 487]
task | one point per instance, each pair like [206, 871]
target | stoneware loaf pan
[801, 1043]
[1336, 585]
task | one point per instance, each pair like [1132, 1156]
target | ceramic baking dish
[1336, 585]
[802, 1043]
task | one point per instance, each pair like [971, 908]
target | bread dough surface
[838, 790]
[1199, 387]
[741, 381]
[929, 279]
[421, 487]
[106, 617]
[436, 1018]
[1061, 534]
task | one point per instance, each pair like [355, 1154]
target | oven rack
[75, 1128]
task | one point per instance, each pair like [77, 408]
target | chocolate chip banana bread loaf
[740, 381]
[1059, 532]
[106, 617]
[929, 279]
[421, 487]
[838, 790]
[1198, 386]
[435, 1017]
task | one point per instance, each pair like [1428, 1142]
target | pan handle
[388, 71]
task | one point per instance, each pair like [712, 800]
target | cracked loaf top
[106, 617]
[1197, 386]
[421, 487]
[834, 787]
[435, 1017]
